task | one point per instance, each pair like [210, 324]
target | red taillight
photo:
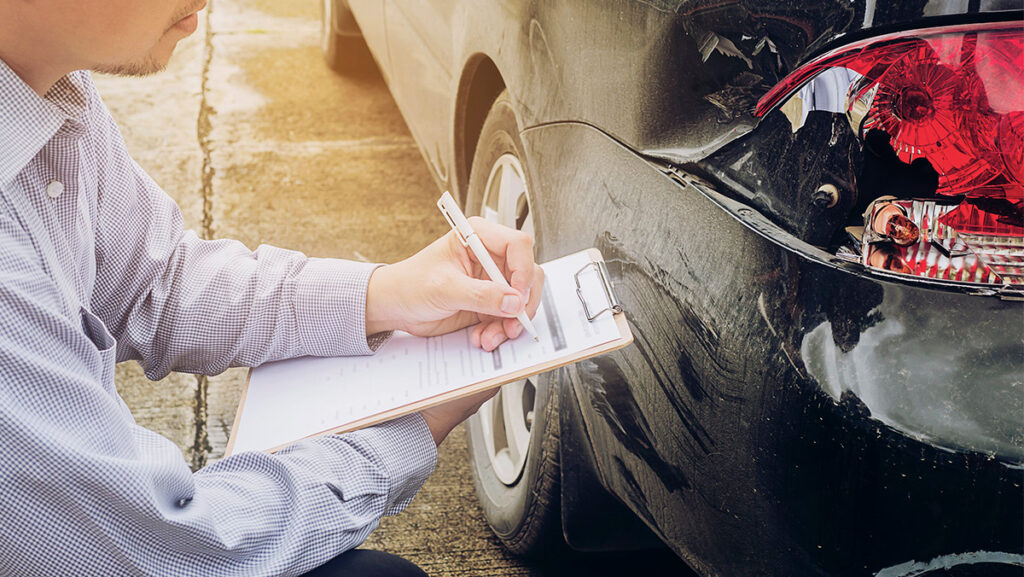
[953, 97]
[928, 110]
[1009, 139]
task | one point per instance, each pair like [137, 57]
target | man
[95, 268]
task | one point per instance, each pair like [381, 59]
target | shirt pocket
[104, 342]
[97, 331]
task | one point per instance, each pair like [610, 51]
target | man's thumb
[487, 297]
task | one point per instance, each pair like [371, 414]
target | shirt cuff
[330, 308]
[405, 448]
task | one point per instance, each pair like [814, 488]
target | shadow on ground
[656, 563]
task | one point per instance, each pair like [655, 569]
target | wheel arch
[479, 86]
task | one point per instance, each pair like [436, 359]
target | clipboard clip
[602, 271]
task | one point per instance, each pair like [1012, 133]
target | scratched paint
[989, 559]
[612, 399]
[773, 462]
[786, 472]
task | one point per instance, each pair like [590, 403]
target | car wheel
[513, 438]
[341, 43]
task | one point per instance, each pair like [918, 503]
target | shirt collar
[28, 121]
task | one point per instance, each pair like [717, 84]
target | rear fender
[592, 518]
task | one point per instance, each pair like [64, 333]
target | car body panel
[663, 91]
[712, 428]
[740, 427]
[422, 80]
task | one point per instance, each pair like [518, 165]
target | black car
[813, 214]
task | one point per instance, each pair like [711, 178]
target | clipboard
[596, 298]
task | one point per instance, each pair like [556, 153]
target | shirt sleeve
[178, 302]
[88, 492]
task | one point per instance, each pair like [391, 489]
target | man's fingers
[486, 334]
[512, 327]
[514, 247]
[492, 335]
[513, 251]
[535, 291]
[484, 297]
[522, 280]
[474, 335]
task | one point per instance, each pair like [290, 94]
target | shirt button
[54, 189]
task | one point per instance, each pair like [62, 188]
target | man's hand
[443, 288]
[441, 419]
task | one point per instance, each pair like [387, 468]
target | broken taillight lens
[953, 97]
[958, 242]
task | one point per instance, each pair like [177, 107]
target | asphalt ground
[258, 141]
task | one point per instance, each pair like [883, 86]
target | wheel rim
[507, 418]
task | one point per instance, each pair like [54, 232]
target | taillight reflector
[953, 97]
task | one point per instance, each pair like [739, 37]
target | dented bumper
[781, 414]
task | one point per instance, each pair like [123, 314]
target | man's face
[133, 37]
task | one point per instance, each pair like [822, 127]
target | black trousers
[367, 563]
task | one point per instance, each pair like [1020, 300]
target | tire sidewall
[513, 511]
[510, 510]
[328, 34]
[499, 135]
[341, 42]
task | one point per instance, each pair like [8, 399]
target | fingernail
[510, 304]
[496, 340]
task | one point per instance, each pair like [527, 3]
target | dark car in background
[813, 215]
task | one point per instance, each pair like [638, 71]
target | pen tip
[536, 339]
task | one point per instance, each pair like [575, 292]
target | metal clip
[602, 271]
[451, 223]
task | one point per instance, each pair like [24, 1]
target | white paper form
[289, 400]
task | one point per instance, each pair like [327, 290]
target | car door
[420, 43]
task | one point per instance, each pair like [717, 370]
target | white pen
[453, 214]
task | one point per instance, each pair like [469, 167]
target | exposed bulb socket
[826, 196]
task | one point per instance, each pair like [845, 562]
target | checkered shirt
[95, 268]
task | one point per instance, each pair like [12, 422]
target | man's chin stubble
[144, 67]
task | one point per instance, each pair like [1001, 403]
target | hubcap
[507, 418]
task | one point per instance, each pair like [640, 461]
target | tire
[521, 501]
[341, 42]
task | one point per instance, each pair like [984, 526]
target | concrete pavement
[257, 140]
